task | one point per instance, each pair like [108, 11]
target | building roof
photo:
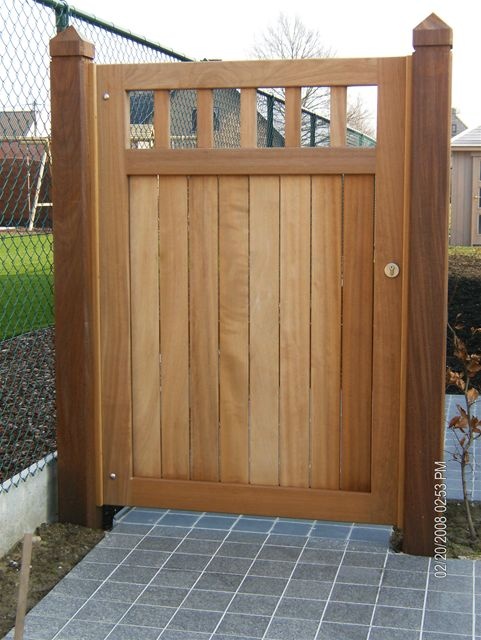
[469, 138]
[16, 124]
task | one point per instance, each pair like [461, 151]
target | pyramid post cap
[432, 32]
[69, 43]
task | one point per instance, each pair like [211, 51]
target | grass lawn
[26, 283]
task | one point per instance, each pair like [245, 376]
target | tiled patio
[182, 575]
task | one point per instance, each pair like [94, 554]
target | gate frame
[77, 291]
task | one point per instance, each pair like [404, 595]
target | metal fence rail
[27, 390]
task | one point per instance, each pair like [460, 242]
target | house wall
[461, 198]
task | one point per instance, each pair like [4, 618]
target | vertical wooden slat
[162, 119]
[338, 117]
[76, 302]
[427, 291]
[144, 286]
[326, 331]
[205, 118]
[234, 328]
[204, 344]
[248, 118]
[293, 117]
[295, 208]
[174, 322]
[357, 333]
[264, 330]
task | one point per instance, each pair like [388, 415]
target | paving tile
[219, 581]
[331, 544]
[223, 636]
[133, 529]
[202, 547]
[224, 523]
[188, 561]
[435, 635]
[61, 607]
[207, 600]
[330, 531]
[119, 541]
[300, 608]
[253, 604]
[401, 597]
[402, 562]
[178, 520]
[336, 631]
[92, 570]
[370, 534]
[41, 628]
[359, 575]
[383, 633]
[102, 611]
[277, 539]
[176, 578]
[106, 555]
[397, 617]
[246, 536]
[76, 587]
[84, 630]
[321, 556]
[445, 601]
[266, 586]
[454, 584]
[148, 616]
[194, 620]
[288, 629]
[228, 565]
[367, 545]
[271, 568]
[292, 528]
[146, 558]
[162, 596]
[206, 534]
[363, 559]
[138, 516]
[168, 531]
[119, 591]
[158, 543]
[134, 575]
[177, 634]
[310, 589]
[348, 612]
[448, 621]
[408, 579]
[239, 549]
[130, 632]
[314, 572]
[247, 524]
[459, 567]
[276, 552]
[244, 625]
[358, 593]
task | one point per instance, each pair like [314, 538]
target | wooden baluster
[338, 118]
[293, 117]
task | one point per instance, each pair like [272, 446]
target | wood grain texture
[234, 328]
[338, 117]
[116, 348]
[295, 208]
[293, 117]
[205, 119]
[264, 330]
[248, 118]
[251, 73]
[145, 325]
[204, 343]
[326, 322]
[277, 161]
[174, 322]
[76, 297]
[428, 233]
[162, 119]
[357, 302]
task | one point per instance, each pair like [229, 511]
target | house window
[454, 129]
[479, 225]
[216, 116]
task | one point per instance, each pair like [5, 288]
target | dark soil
[57, 549]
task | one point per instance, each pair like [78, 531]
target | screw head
[106, 96]
[112, 476]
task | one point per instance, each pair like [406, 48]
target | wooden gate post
[427, 287]
[75, 288]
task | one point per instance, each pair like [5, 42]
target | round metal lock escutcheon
[391, 270]
[112, 476]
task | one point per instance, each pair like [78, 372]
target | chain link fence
[27, 390]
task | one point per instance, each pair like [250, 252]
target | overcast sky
[227, 29]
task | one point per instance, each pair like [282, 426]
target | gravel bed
[27, 400]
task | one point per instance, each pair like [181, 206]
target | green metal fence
[27, 391]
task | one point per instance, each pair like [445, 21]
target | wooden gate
[250, 344]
